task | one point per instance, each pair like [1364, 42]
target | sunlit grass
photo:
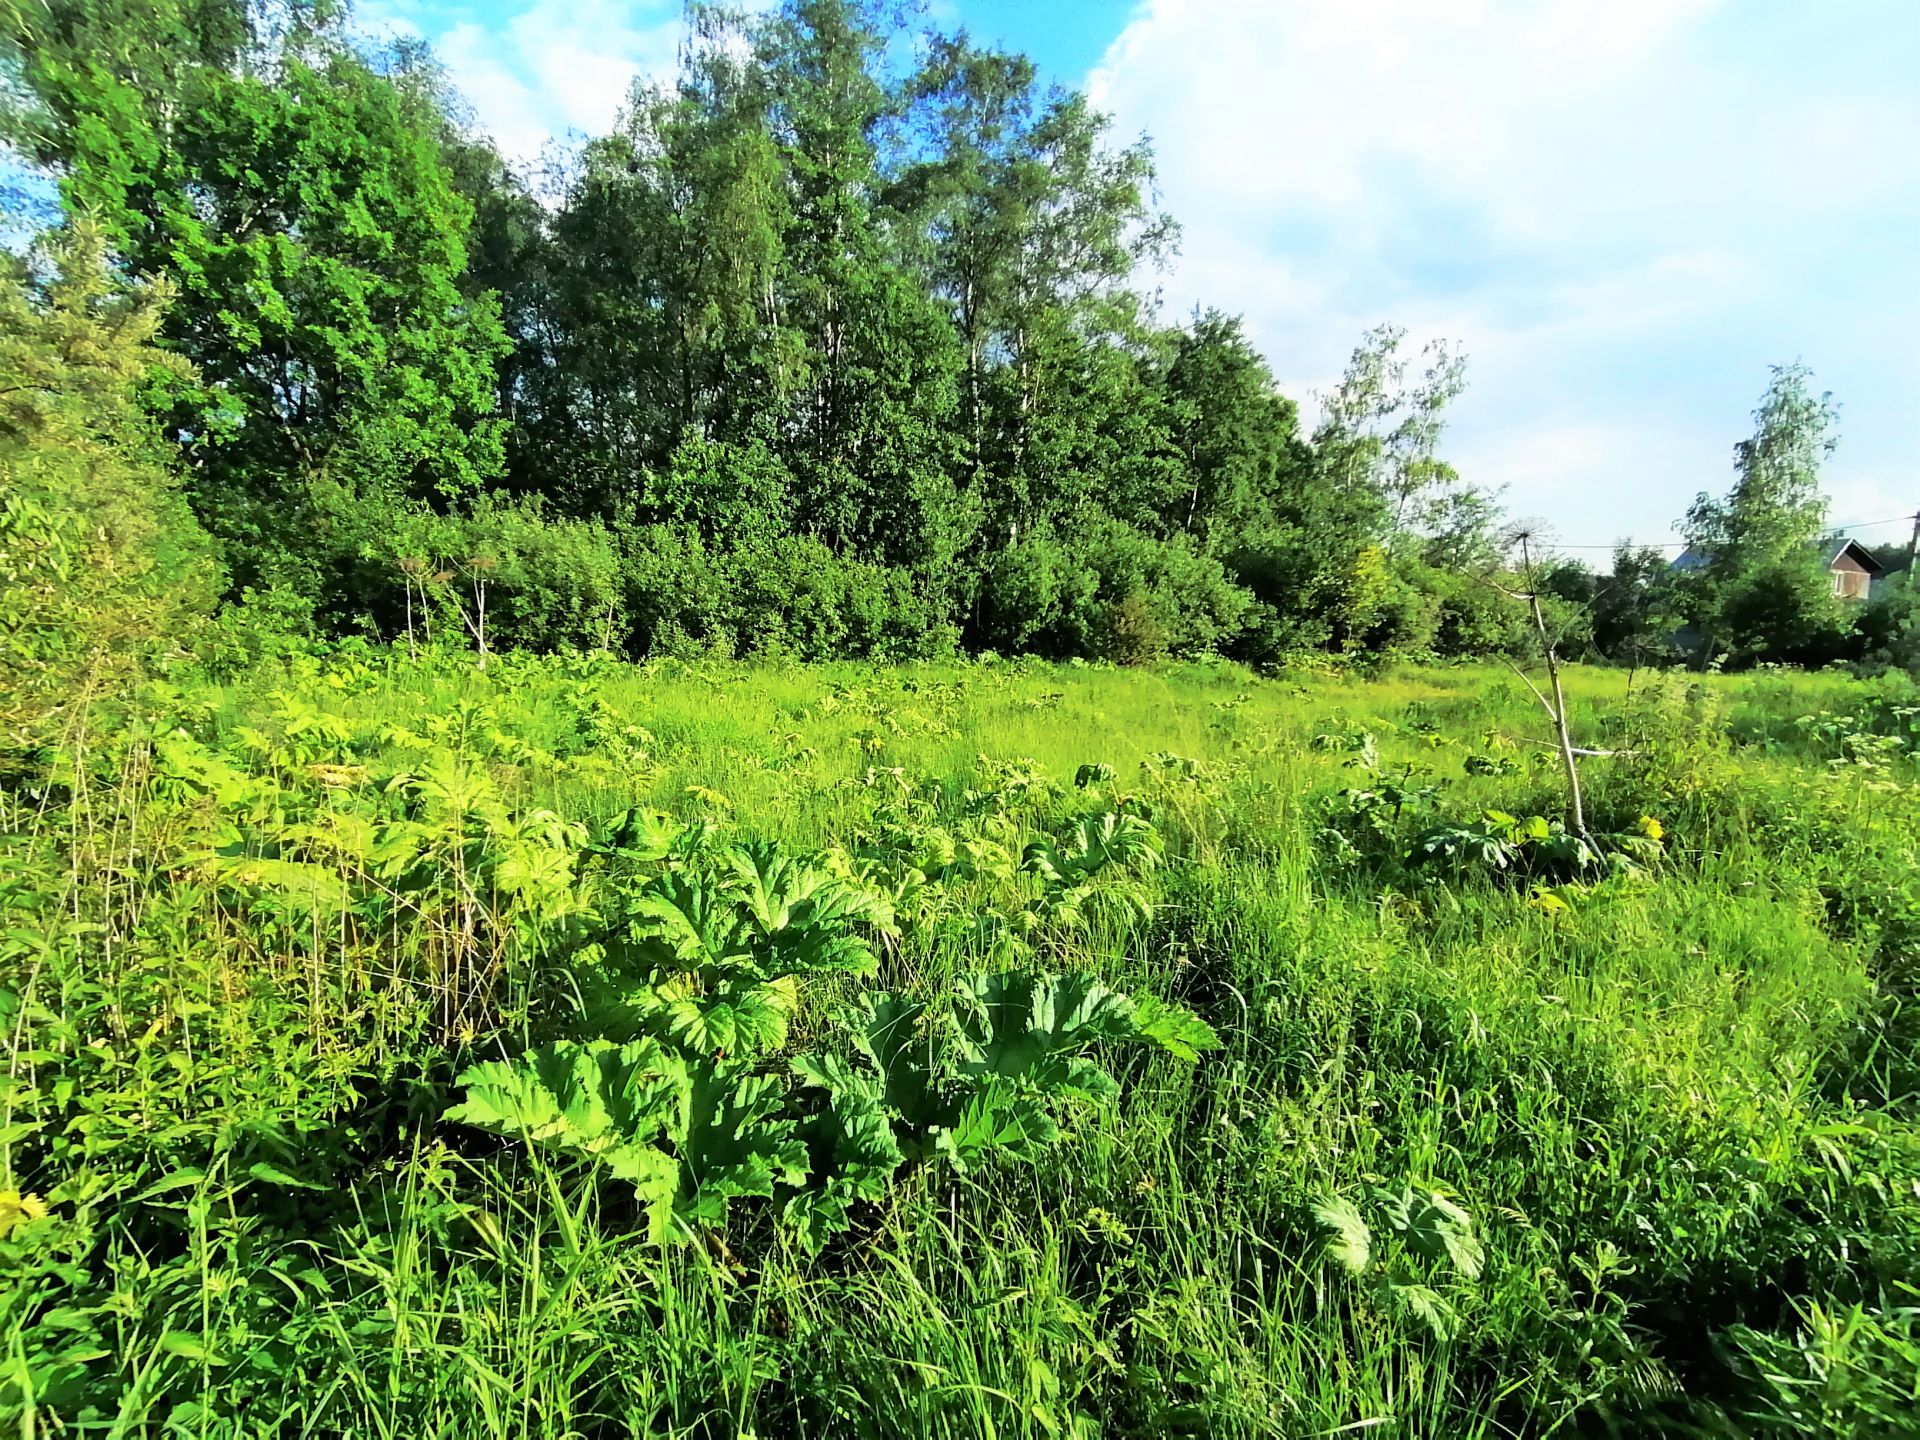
[1680, 1101]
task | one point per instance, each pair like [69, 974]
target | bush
[103, 570]
[1888, 629]
[1063, 596]
[789, 596]
[1133, 634]
[1317, 591]
[553, 584]
[261, 627]
[1027, 593]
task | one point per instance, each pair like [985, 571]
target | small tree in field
[1553, 700]
[413, 575]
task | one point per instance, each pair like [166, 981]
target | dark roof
[1867, 560]
[1692, 559]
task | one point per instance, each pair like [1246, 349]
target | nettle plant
[689, 1092]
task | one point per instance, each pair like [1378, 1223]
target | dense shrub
[1133, 633]
[103, 569]
[789, 596]
[1888, 630]
[1027, 594]
[1064, 595]
[1316, 590]
[549, 583]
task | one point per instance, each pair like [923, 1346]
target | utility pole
[1913, 547]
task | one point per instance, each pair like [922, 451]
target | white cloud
[547, 70]
[1625, 209]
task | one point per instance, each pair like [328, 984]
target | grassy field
[1487, 1131]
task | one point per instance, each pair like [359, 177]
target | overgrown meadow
[568, 1048]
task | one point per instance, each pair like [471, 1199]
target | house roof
[1854, 550]
[1692, 559]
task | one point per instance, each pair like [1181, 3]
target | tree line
[843, 341]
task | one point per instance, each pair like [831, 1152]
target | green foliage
[792, 598]
[103, 573]
[1418, 1227]
[1760, 589]
[550, 583]
[841, 394]
[982, 1072]
[263, 933]
[1844, 1370]
[302, 205]
[1499, 841]
[1633, 614]
[1113, 592]
[713, 956]
[599, 1100]
[866, 983]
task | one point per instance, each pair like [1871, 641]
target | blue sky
[1625, 210]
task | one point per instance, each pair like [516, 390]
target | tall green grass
[1676, 1097]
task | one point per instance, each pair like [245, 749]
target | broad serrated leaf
[996, 1117]
[898, 1035]
[739, 1021]
[1428, 1306]
[1009, 1022]
[861, 1152]
[599, 1100]
[741, 1143]
[642, 835]
[1173, 1028]
[1432, 1226]
[1349, 1242]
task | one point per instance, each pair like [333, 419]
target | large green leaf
[601, 1101]
[681, 921]
[1349, 1241]
[782, 893]
[1010, 1022]
[997, 1116]
[900, 1036]
[641, 835]
[742, 1142]
[1174, 1029]
[1433, 1226]
[1095, 843]
[861, 1152]
[749, 909]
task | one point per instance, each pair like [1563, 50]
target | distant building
[1856, 570]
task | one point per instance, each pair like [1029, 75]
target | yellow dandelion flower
[1651, 828]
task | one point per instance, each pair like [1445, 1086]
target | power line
[1863, 524]
[1682, 544]
[1869, 524]
[1630, 544]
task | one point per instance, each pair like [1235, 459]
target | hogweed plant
[687, 1091]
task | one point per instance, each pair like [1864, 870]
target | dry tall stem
[1556, 708]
